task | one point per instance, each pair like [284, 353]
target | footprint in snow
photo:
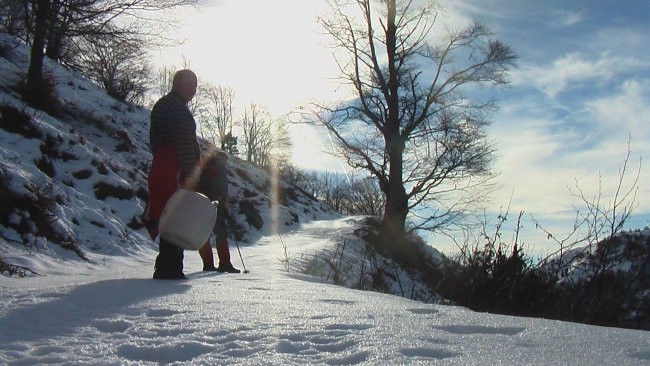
[111, 326]
[163, 354]
[641, 355]
[353, 359]
[348, 327]
[479, 329]
[259, 288]
[423, 311]
[161, 313]
[338, 302]
[432, 353]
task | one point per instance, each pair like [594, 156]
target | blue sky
[581, 89]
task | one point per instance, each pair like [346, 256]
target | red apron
[163, 180]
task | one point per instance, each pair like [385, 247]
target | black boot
[169, 262]
[227, 268]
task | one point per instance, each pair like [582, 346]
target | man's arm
[187, 151]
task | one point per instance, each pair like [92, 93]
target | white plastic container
[187, 219]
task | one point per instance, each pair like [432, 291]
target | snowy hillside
[625, 252]
[74, 185]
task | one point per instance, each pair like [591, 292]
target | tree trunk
[54, 33]
[35, 71]
[394, 221]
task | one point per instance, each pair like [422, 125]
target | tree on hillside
[230, 144]
[413, 125]
[120, 66]
[218, 102]
[256, 128]
[365, 198]
[266, 141]
[53, 26]
[12, 19]
[35, 87]
[281, 144]
[163, 81]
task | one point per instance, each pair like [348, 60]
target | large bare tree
[416, 123]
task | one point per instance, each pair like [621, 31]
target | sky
[580, 92]
[582, 89]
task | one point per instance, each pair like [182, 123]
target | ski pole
[240, 257]
[229, 218]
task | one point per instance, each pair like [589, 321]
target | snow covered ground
[115, 314]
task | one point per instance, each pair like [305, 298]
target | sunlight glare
[270, 52]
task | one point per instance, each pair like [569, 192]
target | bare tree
[365, 198]
[598, 266]
[330, 188]
[308, 181]
[413, 125]
[346, 195]
[12, 18]
[267, 141]
[256, 128]
[119, 66]
[219, 112]
[281, 144]
[56, 24]
[35, 87]
[163, 80]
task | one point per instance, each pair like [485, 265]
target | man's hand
[189, 180]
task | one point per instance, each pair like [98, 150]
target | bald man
[176, 164]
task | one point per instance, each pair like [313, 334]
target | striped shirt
[172, 124]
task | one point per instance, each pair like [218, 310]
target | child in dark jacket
[214, 184]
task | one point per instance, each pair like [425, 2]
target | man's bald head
[184, 84]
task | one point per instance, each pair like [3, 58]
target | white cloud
[454, 15]
[572, 69]
[625, 114]
[528, 167]
[563, 18]
[627, 111]
[310, 149]
[541, 158]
